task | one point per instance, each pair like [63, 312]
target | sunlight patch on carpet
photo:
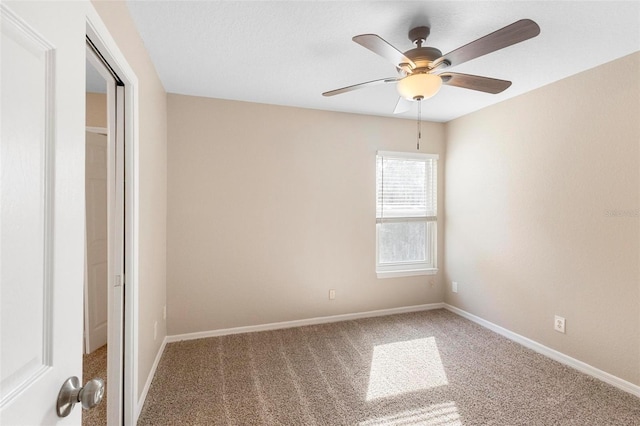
[445, 414]
[401, 367]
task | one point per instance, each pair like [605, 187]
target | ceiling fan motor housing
[423, 57]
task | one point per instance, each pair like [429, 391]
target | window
[406, 210]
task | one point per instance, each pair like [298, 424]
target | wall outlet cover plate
[559, 324]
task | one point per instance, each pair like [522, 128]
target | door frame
[97, 32]
[115, 233]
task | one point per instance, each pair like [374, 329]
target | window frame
[405, 269]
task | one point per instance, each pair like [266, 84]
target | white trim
[303, 322]
[406, 273]
[271, 326]
[550, 353]
[152, 374]
[429, 265]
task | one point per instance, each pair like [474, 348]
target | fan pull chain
[382, 191]
[419, 124]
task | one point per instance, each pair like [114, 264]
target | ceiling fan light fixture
[419, 86]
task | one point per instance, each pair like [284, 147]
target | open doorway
[104, 238]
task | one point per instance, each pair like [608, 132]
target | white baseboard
[299, 323]
[272, 326]
[147, 385]
[550, 353]
[524, 341]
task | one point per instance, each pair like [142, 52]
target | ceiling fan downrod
[419, 35]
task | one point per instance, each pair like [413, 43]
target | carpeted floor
[425, 368]
[95, 365]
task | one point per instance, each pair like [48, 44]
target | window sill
[406, 273]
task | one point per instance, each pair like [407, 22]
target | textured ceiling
[289, 52]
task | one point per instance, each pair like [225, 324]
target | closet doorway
[104, 237]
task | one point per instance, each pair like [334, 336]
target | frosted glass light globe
[419, 86]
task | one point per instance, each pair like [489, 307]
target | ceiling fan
[417, 67]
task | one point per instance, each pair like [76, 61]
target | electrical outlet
[454, 286]
[155, 330]
[558, 324]
[164, 312]
[332, 294]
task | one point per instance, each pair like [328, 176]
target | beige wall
[96, 109]
[531, 183]
[270, 207]
[152, 183]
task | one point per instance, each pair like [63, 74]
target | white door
[96, 294]
[41, 207]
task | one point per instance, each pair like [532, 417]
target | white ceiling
[289, 52]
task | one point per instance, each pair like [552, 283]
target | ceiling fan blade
[360, 86]
[378, 45]
[403, 105]
[521, 30]
[474, 82]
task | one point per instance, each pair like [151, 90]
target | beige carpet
[426, 368]
[94, 365]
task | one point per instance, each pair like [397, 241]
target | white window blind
[406, 213]
[406, 186]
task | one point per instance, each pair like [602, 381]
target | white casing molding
[550, 353]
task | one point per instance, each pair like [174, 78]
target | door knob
[71, 393]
